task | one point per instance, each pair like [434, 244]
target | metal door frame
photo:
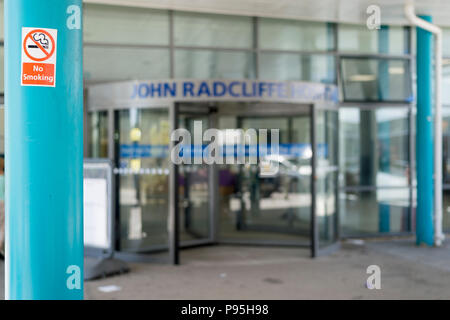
[198, 109]
[293, 110]
[174, 245]
[173, 219]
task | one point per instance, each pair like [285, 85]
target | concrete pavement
[236, 272]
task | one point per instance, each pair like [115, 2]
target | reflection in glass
[370, 79]
[446, 81]
[374, 146]
[282, 34]
[274, 208]
[143, 177]
[207, 64]
[98, 134]
[359, 39]
[292, 66]
[106, 64]
[446, 42]
[446, 210]
[2, 84]
[446, 144]
[125, 25]
[371, 212]
[212, 30]
[2, 32]
[326, 172]
[194, 189]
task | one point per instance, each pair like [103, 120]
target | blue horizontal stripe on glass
[301, 150]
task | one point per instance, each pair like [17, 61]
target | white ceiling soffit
[350, 11]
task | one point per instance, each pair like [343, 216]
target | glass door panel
[326, 181]
[193, 184]
[97, 137]
[268, 209]
[142, 140]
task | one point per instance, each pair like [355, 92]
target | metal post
[44, 149]
[384, 128]
[314, 225]
[173, 218]
[424, 149]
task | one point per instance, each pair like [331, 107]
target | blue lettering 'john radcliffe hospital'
[232, 89]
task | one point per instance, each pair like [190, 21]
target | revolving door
[162, 207]
[231, 203]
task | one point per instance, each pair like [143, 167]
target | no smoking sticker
[39, 57]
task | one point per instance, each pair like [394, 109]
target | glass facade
[274, 209]
[375, 169]
[142, 138]
[206, 64]
[276, 34]
[128, 25]
[446, 130]
[376, 79]
[97, 135]
[377, 211]
[105, 64]
[161, 44]
[294, 66]
[370, 67]
[375, 146]
[359, 39]
[327, 176]
[222, 31]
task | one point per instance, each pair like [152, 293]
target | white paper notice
[96, 213]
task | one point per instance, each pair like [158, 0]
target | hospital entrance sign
[131, 94]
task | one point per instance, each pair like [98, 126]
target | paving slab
[242, 272]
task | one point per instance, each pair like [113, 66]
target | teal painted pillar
[424, 138]
[43, 149]
[384, 224]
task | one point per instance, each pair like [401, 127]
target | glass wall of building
[127, 43]
[446, 130]
[375, 170]
[375, 134]
[142, 138]
[161, 44]
[374, 66]
[97, 138]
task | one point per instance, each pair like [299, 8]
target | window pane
[2, 70]
[1, 20]
[370, 212]
[446, 42]
[204, 64]
[446, 211]
[295, 35]
[326, 176]
[98, 134]
[206, 30]
[288, 66]
[117, 63]
[359, 39]
[446, 81]
[257, 207]
[374, 146]
[143, 177]
[125, 25]
[446, 143]
[376, 79]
